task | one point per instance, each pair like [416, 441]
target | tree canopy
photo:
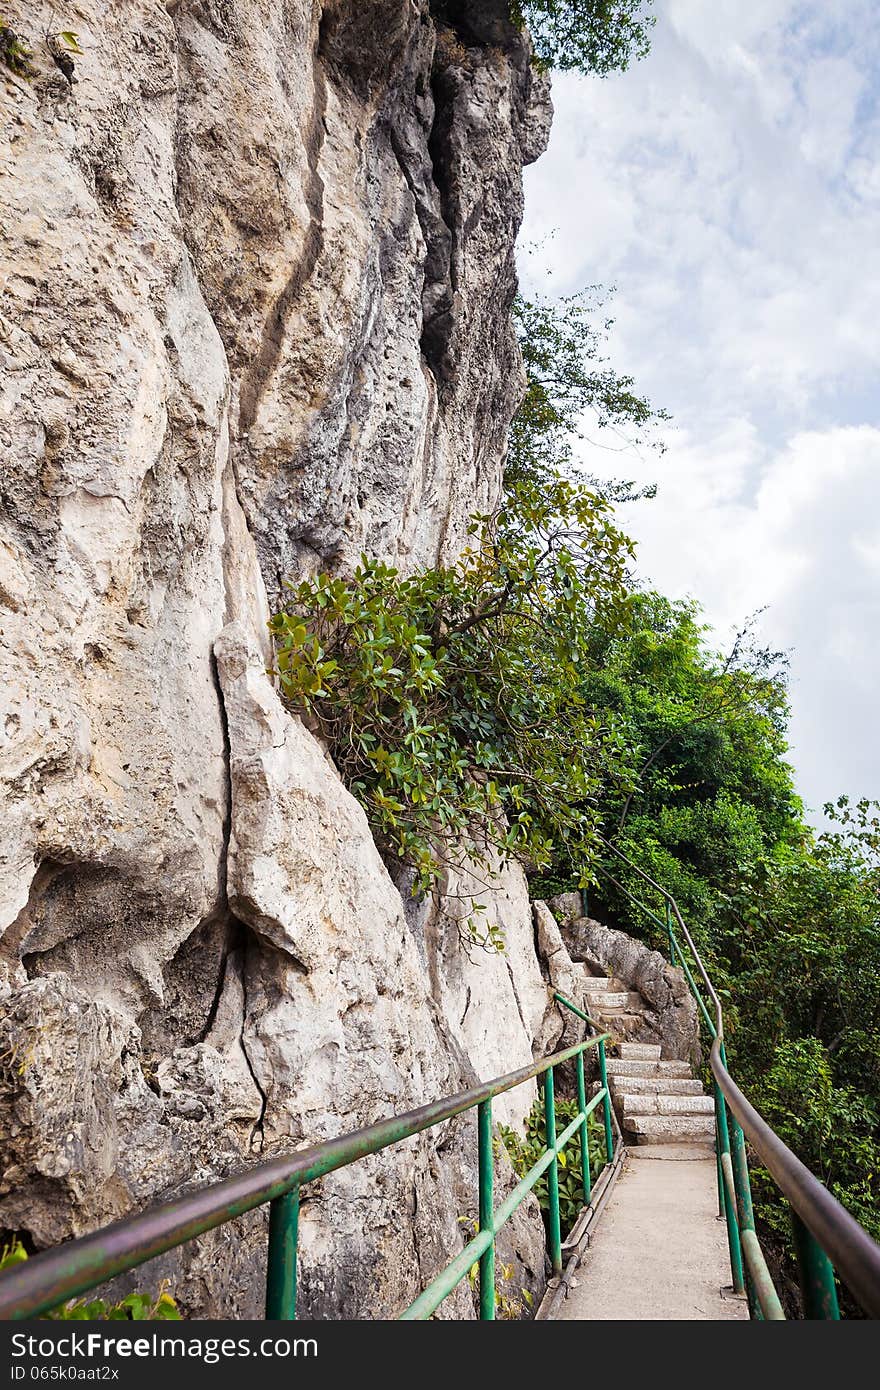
[788, 919]
[597, 36]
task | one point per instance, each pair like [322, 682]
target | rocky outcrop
[670, 1017]
[257, 260]
[563, 1028]
[496, 1005]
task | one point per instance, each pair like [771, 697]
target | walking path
[659, 1252]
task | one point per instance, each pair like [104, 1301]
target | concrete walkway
[659, 1252]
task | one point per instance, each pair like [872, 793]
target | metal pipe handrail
[698, 960]
[684, 965]
[768, 1299]
[853, 1252]
[74, 1267]
[561, 999]
[609, 1116]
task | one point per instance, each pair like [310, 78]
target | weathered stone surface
[256, 263]
[85, 1111]
[553, 951]
[567, 906]
[562, 1027]
[671, 1016]
[302, 1041]
[359, 265]
[496, 1003]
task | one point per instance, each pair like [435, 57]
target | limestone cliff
[257, 262]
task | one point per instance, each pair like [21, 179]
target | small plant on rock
[14, 52]
[134, 1307]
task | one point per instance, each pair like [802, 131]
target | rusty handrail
[855, 1255]
[52, 1277]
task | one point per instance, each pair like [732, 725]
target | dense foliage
[789, 921]
[524, 1151]
[597, 36]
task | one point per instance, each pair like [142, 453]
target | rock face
[257, 260]
[496, 1005]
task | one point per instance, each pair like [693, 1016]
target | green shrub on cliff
[14, 52]
[598, 36]
[451, 699]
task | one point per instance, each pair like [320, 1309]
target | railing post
[719, 1170]
[487, 1259]
[671, 934]
[606, 1104]
[733, 1244]
[552, 1174]
[745, 1210]
[743, 1187]
[585, 1129]
[281, 1260]
[816, 1273]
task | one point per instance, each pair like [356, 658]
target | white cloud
[729, 187]
[806, 542]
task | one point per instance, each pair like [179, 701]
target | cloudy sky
[728, 186]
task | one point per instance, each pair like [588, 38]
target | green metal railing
[51, 1278]
[826, 1236]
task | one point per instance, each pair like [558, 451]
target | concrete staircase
[657, 1102]
[609, 1002]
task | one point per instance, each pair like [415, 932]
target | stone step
[621, 1024]
[597, 982]
[667, 1105]
[609, 1000]
[620, 1066]
[670, 1129]
[623, 1086]
[683, 1153]
[634, 1051]
[605, 999]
